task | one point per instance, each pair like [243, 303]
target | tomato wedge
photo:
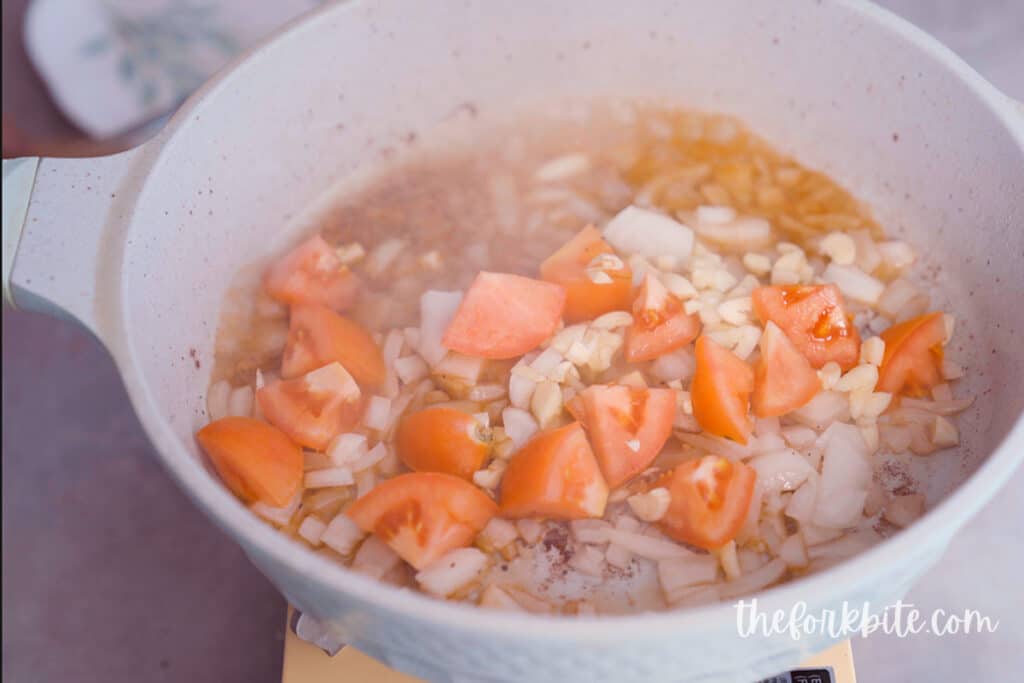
[595, 280]
[312, 273]
[314, 408]
[423, 515]
[318, 336]
[627, 428]
[814, 319]
[912, 363]
[504, 316]
[783, 379]
[256, 461]
[555, 476]
[442, 440]
[710, 499]
[659, 324]
[721, 391]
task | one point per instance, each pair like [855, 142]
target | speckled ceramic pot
[139, 248]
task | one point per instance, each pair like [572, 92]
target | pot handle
[60, 234]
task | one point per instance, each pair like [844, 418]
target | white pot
[139, 248]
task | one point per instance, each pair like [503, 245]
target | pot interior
[339, 98]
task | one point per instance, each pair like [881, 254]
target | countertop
[110, 573]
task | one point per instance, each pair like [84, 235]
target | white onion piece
[241, 402]
[678, 575]
[904, 510]
[519, 425]
[799, 437]
[496, 598]
[950, 407]
[649, 234]
[458, 366]
[451, 571]
[793, 551]
[647, 546]
[588, 560]
[746, 234]
[783, 470]
[846, 546]
[900, 295]
[677, 365]
[371, 458]
[217, 397]
[520, 390]
[617, 556]
[845, 477]
[590, 530]
[767, 425]
[754, 581]
[437, 309]
[854, 283]
[275, 515]
[816, 535]
[342, 534]
[767, 443]
[499, 532]
[822, 410]
[378, 413]
[375, 558]
[701, 595]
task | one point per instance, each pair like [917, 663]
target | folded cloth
[114, 65]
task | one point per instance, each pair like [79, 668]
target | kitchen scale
[306, 662]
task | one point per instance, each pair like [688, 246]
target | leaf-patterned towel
[114, 65]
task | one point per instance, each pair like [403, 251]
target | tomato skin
[554, 476]
[815, 320]
[312, 273]
[586, 299]
[783, 379]
[318, 336]
[617, 415]
[423, 515]
[504, 316]
[660, 324]
[709, 505]
[256, 461]
[912, 362]
[309, 414]
[442, 440]
[720, 392]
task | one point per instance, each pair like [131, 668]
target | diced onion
[375, 558]
[677, 365]
[342, 534]
[217, 397]
[519, 425]
[754, 581]
[378, 413]
[822, 410]
[334, 476]
[677, 575]
[845, 477]
[452, 571]
[311, 529]
[904, 510]
[854, 283]
[437, 309]
[649, 234]
[647, 546]
[783, 470]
